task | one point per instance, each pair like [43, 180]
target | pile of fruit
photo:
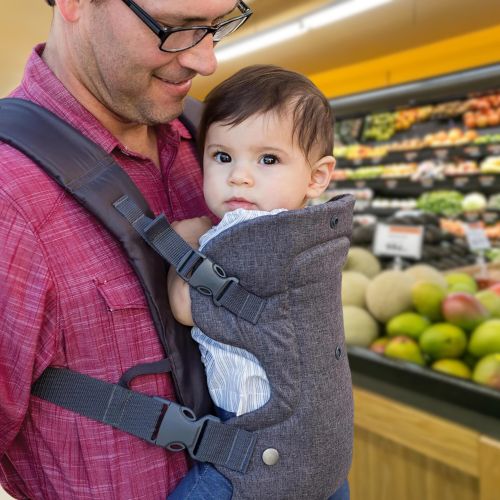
[491, 165]
[442, 138]
[379, 127]
[443, 321]
[483, 112]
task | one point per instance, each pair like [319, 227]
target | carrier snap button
[270, 456]
[338, 352]
[334, 221]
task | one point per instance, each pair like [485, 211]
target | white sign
[398, 241]
[476, 237]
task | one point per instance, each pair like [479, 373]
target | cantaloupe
[424, 272]
[389, 294]
[363, 261]
[354, 288]
[359, 327]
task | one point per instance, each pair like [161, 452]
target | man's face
[120, 62]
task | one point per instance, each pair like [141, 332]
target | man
[68, 297]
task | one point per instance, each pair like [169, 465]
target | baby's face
[254, 165]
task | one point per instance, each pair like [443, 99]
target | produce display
[474, 113]
[435, 169]
[441, 249]
[434, 163]
[446, 322]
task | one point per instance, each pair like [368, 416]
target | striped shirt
[236, 380]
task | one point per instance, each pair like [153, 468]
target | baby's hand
[192, 229]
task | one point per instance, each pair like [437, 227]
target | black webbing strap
[157, 421]
[193, 266]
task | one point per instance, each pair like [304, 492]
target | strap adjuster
[189, 261]
[179, 429]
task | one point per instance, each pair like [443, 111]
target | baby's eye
[222, 157]
[269, 160]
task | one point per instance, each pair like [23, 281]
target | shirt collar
[41, 86]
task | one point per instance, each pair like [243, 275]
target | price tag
[442, 154]
[427, 183]
[494, 148]
[476, 237]
[486, 180]
[398, 241]
[360, 184]
[391, 183]
[460, 181]
[411, 156]
[473, 151]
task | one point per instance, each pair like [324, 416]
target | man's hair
[263, 88]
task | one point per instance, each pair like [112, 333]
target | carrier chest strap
[156, 420]
[193, 266]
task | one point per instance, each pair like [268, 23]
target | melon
[389, 294]
[424, 272]
[359, 327]
[354, 288]
[363, 261]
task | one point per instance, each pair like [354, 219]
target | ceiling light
[297, 27]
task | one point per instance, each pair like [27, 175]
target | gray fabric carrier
[294, 260]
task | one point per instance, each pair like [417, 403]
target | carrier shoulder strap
[96, 181]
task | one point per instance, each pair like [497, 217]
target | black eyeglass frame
[163, 32]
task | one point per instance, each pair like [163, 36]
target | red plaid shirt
[69, 298]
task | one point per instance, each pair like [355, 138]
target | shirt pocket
[121, 292]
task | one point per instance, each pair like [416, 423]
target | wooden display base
[405, 453]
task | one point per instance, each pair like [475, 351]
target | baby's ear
[321, 174]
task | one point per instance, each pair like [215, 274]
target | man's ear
[321, 175]
[69, 9]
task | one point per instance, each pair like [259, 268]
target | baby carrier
[270, 285]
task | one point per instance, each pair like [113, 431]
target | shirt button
[270, 456]
[334, 221]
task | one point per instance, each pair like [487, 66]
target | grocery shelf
[444, 153]
[377, 211]
[405, 187]
[419, 92]
[409, 376]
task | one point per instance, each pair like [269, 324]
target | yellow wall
[454, 54]
[23, 23]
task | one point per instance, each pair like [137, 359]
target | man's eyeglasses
[176, 39]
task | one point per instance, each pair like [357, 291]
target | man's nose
[200, 58]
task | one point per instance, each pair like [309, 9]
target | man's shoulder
[23, 183]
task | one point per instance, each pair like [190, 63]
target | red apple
[495, 288]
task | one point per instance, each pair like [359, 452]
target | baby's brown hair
[263, 88]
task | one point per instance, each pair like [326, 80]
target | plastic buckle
[188, 262]
[210, 279]
[179, 429]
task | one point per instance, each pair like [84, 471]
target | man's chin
[158, 116]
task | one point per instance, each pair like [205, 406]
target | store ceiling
[394, 27]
